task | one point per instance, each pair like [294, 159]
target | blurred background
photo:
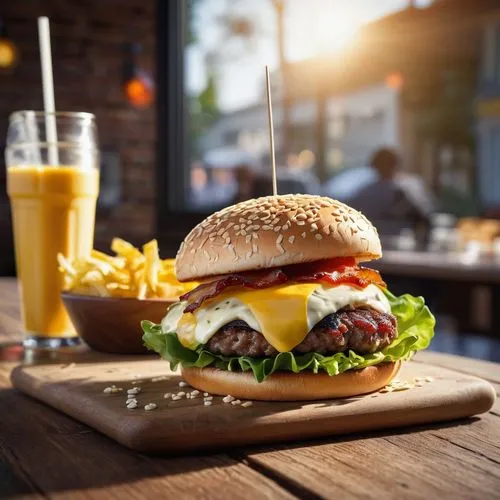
[392, 106]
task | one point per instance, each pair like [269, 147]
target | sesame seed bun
[287, 386]
[275, 231]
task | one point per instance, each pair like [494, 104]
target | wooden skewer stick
[271, 131]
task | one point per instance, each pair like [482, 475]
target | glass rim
[42, 114]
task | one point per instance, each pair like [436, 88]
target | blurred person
[395, 201]
[244, 176]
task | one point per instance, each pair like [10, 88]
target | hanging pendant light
[137, 84]
[8, 50]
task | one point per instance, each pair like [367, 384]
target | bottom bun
[287, 386]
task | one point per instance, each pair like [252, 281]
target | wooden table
[44, 453]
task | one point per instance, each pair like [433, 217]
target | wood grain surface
[187, 425]
[45, 454]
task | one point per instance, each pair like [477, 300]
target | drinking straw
[48, 89]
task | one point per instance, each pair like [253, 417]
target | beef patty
[359, 330]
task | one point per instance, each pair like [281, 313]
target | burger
[283, 310]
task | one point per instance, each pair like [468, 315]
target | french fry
[129, 273]
[152, 265]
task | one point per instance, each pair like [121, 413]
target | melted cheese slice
[284, 314]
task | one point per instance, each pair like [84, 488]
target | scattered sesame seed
[318, 236]
[181, 393]
[136, 382]
[303, 235]
[208, 398]
[159, 379]
[151, 406]
[228, 398]
[291, 239]
[167, 395]
[188, 396]
[132, 404]
[236, 402]
[176, 398]
[195, 393]
[301, 223]
[314, 227]
[207, 403]
[246, 404]
[206, 394]
[134, 390]
[107, 389]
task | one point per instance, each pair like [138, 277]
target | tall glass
[53, 189]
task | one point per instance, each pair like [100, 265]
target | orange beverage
[52, 183]
[53, 210]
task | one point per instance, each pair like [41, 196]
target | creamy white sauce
[322, 302]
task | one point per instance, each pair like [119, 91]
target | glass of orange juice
[53, 188]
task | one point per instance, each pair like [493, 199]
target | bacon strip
[333, 272]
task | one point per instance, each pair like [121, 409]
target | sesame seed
[176, 398]
[136, 382]
[236, 402]
[107, 389]
[132, 405]
[277, 229]
[248, 237]
[303, 235]
[188, 396]
[195, 393]
[206, 394]
[265, 227]
[150, 406]
[208, 398]
[300, 223]
[318, 236]
[183, 384]
[207, 403]
[314, 227]
[243, 232]
[247, 404]
[228, 398]
[134, 390]
[167, 395]
[159, 379]
[291, 239]
[429, 379]
[181, 393]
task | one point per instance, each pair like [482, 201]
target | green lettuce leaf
[415, 331]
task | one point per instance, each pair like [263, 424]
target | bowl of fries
[107, 296]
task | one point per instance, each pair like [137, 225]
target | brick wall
[87, 46]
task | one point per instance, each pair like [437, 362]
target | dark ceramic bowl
[113, 324]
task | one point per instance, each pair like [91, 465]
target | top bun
[275, 231]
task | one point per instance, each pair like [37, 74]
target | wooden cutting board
[187, 425]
